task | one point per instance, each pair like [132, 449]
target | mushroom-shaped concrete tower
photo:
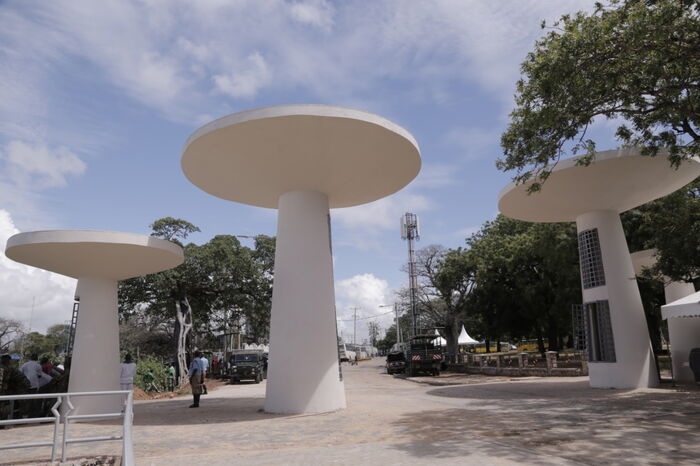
[617, 338]
[302, 160]
[98, 259]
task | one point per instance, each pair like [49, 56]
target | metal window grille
[578, 324]
[600, 343]
[591, 259]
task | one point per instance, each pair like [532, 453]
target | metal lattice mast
[410, 231]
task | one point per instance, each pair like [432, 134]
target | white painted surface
[303, 373]
[256, 156]
[95, 364]
[683, 315]
[618, 180]
[107, 254]
[98, 259]
[634, 366]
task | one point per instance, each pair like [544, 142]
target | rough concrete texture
[454, 419]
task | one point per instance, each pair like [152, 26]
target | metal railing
[67, 417]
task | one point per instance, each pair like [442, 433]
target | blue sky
[98, 98]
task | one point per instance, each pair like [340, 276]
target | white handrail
[127, 414]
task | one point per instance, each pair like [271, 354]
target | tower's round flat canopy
[644, 259]
[254, 157]
[617, 180]
[86, 253]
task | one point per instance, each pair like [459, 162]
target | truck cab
[247, 365]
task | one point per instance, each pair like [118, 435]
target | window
[578, 324]
[590, 258]
[600, 343]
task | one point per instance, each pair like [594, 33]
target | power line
[365, 318]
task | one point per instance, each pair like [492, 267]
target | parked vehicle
[395, 363]
[247, 365]
[422, 356]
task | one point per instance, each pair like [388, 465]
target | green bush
[156, 367]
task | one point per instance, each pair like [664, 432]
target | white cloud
[175, 57]
[317, 13]
[383, 214]
[36, 166]
[366, 293]
[247, 82]
[21, 284]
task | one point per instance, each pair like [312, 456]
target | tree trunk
[487, 343]
[183, 326]
[540, 341]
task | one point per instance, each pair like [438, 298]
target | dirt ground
[454, 419]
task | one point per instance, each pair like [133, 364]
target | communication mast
[410, 230]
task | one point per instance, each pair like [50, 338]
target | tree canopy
[637, 61]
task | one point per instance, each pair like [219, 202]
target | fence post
[128, 448]
[499, 360]
[551, 360]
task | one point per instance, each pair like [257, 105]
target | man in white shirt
[32, 371]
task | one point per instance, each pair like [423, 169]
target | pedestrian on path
[195, 374]
[127, 373]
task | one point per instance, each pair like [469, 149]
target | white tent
[465, 339]
[683, 317]
[439, 341]
[684, 307]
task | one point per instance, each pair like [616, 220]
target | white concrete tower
[98, 259]
[302, 160]
[618, 344]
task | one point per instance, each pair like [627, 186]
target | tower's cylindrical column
[95, 362]
[617, 333]
[683, 333]
[303, 373]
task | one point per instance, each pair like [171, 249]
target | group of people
[34, 376]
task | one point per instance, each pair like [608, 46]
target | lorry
[422, 356]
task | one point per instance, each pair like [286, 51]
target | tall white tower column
[303, 373]
[632, 365]
[95, 363]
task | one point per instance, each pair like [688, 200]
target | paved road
[465, 420]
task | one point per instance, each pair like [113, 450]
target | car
[247, 365]
[395, 362]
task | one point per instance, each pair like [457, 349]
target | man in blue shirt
[195, 373]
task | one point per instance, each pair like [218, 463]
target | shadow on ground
[565, 419]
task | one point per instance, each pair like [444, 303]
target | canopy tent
[465, 339]
[683, 316]
[439, 341]
[684, 307]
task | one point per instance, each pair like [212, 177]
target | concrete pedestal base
[634, 366]
[95, 363]
[303, 373]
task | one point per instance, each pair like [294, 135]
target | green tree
[445, 280]
[672, 226]
[527, 278]
[633, 60]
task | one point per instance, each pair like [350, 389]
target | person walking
[127, 371]
[195, 375]
[205, 370]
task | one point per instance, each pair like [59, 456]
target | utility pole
[398, 329]
[410, 231]
[354, 326]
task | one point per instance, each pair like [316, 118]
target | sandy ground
[455, 419]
